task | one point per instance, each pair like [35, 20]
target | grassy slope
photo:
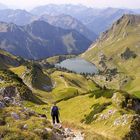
[19, 70]
[65, 85]
[68, 85]
[82, 108]
[58, 59]
[124, 34]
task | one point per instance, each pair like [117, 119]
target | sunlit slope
[109, 115]
[67, 85]
[120, 47]
[53, 83]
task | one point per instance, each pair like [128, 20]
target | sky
[29, 4]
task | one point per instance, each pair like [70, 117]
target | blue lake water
[78, 65]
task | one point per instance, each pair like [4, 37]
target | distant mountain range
[54, 29]
[40, 39]
[22, 17]
[97, 20]
[87, 21]
[68, 22]
[19, 17]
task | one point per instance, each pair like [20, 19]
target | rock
[25, 127]
[2, 122]
[1, 98]
[2, 79]
[7, 100]
[48, 129]
[10, 91]
[118, 99]
[123, 120]
[78, 136]
[15, 116]
[68, 130]
[2, 105]
[42, 116]
[31, 113]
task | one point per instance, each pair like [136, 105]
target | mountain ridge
[92, 18]
[68, 22]
[118, 48]
[46, 38]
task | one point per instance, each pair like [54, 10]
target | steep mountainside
[118, 51]
[8, 60]
[36, 78]
[40, 39]
[97, 20]
[105, 19]
[68, 22]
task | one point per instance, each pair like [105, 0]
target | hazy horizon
[26, 4]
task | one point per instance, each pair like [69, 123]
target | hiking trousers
[55, 118]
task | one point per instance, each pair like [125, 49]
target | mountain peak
[130, 19]
[120, 25]
[133, 19]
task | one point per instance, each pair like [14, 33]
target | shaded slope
[16, 87]
[36, 78]
[7, 60]
[40, 39]
[68, 22]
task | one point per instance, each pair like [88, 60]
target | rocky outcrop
[36, 78]
[134, 133]
[124, 100]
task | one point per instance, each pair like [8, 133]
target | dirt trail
[67, 133]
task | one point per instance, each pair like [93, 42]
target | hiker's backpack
[54, 110]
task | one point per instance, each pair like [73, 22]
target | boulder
[9, 91]
[25, 127]
[118, 99]
[15, 116]
[42, 116]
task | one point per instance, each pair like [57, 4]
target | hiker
[55, 114]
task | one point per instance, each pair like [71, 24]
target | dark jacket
[54, 111]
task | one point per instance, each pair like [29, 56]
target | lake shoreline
[78, 65]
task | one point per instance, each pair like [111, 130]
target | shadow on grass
[97, 108]
[108, 93]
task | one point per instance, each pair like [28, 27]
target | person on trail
[55, 114]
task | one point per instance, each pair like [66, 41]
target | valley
[56, 58]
